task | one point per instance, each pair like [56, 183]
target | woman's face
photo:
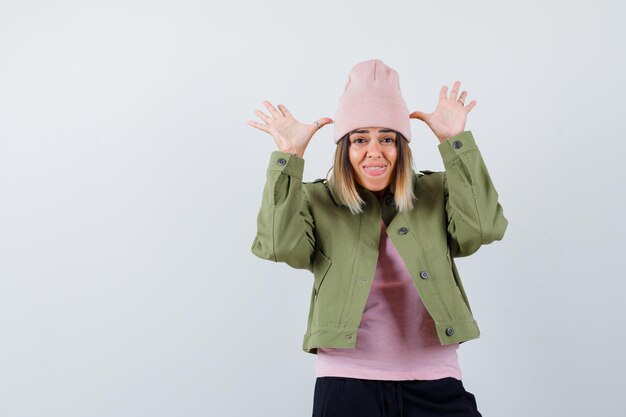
[373, 153]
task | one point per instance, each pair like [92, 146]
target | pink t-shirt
[396, 339]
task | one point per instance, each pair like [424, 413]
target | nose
[373, 149]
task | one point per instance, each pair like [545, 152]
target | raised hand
[449, 117]
[290, 135]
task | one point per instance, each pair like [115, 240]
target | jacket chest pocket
[321, 266]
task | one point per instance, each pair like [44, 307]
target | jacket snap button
[403, 230]
[457, 144]
[390, 201]
[424, 274]
[449, 331]
[281, 161]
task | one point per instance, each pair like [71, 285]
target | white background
[130, 184]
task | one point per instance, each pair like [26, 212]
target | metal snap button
[403, 230]
[449, 331]
[281, 161]
[424, 274]
[390, 201]
[457, 144]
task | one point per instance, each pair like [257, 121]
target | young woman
[387, 309]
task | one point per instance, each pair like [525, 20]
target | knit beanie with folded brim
[372, 98]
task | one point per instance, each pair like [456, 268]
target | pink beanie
[372, 97]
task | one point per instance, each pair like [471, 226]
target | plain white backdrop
[130, 185]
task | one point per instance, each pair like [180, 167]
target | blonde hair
[341, 177]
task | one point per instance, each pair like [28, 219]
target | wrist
[443, 138]
[294, 151]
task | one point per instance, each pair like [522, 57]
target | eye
[359, 140]
[388, 140]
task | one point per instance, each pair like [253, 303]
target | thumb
[323, 121]
[418, 115]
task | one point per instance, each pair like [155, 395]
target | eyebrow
[379, 131]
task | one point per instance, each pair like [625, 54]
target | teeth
[377, 168]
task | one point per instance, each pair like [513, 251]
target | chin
[375, 187]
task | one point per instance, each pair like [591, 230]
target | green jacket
[303, 225]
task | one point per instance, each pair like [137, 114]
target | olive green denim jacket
[303, 225]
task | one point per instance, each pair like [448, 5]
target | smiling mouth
[375, 170]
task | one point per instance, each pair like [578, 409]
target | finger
[455, 90]
[324, 121]
[418, 115]
[462, 97]
[443, 93]
[319, 123]
[471, 105]
[284, 110]
[272, 109]
[258, 126]
[263, 116]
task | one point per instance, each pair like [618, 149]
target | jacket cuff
[457, 145]
[288, 164]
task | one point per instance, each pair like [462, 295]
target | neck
[380, 194]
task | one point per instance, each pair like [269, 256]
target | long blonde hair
[341, 177]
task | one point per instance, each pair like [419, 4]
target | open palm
[290, 135]
[449, 117]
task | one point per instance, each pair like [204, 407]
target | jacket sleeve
[474, 215]
[285, 226]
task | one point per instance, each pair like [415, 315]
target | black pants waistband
[354, 397]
